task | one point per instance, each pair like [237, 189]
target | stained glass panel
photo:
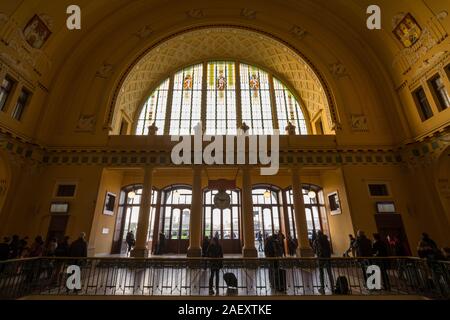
[221, 99]
[288, 109]
[255, 95]
[154, 111]
[186, 100]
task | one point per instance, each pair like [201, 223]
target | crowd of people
[18, 248]
[274, 246]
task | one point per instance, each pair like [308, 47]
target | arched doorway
[315, 211]
[223, 223]
[174, 217]
[128, 216]
[267, 206]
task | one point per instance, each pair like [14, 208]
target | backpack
[230, 280]
[342, 286]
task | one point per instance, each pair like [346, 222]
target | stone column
[304, 249]
[195, 223]
[141, 249]
[249, 249]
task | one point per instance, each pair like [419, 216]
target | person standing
[78, 248]
[322, 249]
[363, 249]
[161, 243]
[14, 247]
[130, 240]
[37, 248]
[259, 238]
[380, 250]
[281, 239]
[351, 247]
[205, 245]
[215, 252]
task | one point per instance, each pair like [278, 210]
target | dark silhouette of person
[322, 249]
[23, 245]
[161, 243]
[351, 247]
[259, 238]
[380, 249]
[37, 248]
[130, 240]
[205, 245]
[63, 249]
[14, 247]
[78, 248]
[428, 249]
[4, 249]
[281, 238]
[292, 245]
[215, 252]
[363, 249]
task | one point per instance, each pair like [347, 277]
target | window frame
[10, 93]
[18, 114]
[436, 91]
[238, 99]
[418, 101]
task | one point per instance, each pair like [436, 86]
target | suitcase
[230, 280]
[342, 286]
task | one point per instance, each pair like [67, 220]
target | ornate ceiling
[220, 43]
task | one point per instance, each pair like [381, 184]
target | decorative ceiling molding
[221, 42]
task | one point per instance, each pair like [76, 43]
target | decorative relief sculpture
[36, 32]
[86, 123]
[195, 13]
[144, 32]
[290, 129]
[359, 123]
[152, 129]
[248, 14]
[299, 32]
[338, 70]
[105, 71]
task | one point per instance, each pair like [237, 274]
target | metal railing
[255, 277]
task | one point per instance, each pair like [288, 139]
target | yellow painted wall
[340, 225]
[100, 243]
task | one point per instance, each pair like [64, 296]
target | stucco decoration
[18, 53]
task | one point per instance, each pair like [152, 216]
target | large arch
[221, 43]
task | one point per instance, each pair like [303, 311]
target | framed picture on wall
[110, 201]
[335, 203]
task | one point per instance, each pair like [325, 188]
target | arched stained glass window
[255, 95]
[221, 99]
[288, 109]
[226, 96]
[186, 100]
[154, 110]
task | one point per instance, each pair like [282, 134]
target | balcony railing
[255, 277]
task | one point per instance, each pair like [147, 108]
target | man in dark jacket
[78, 248]
[4, 249]
[380, 249]
[214, 251]
[362, 245]
[205, 245]
[130, 241]
[322, 248]
[363, 248]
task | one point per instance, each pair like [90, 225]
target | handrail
[183, 276]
